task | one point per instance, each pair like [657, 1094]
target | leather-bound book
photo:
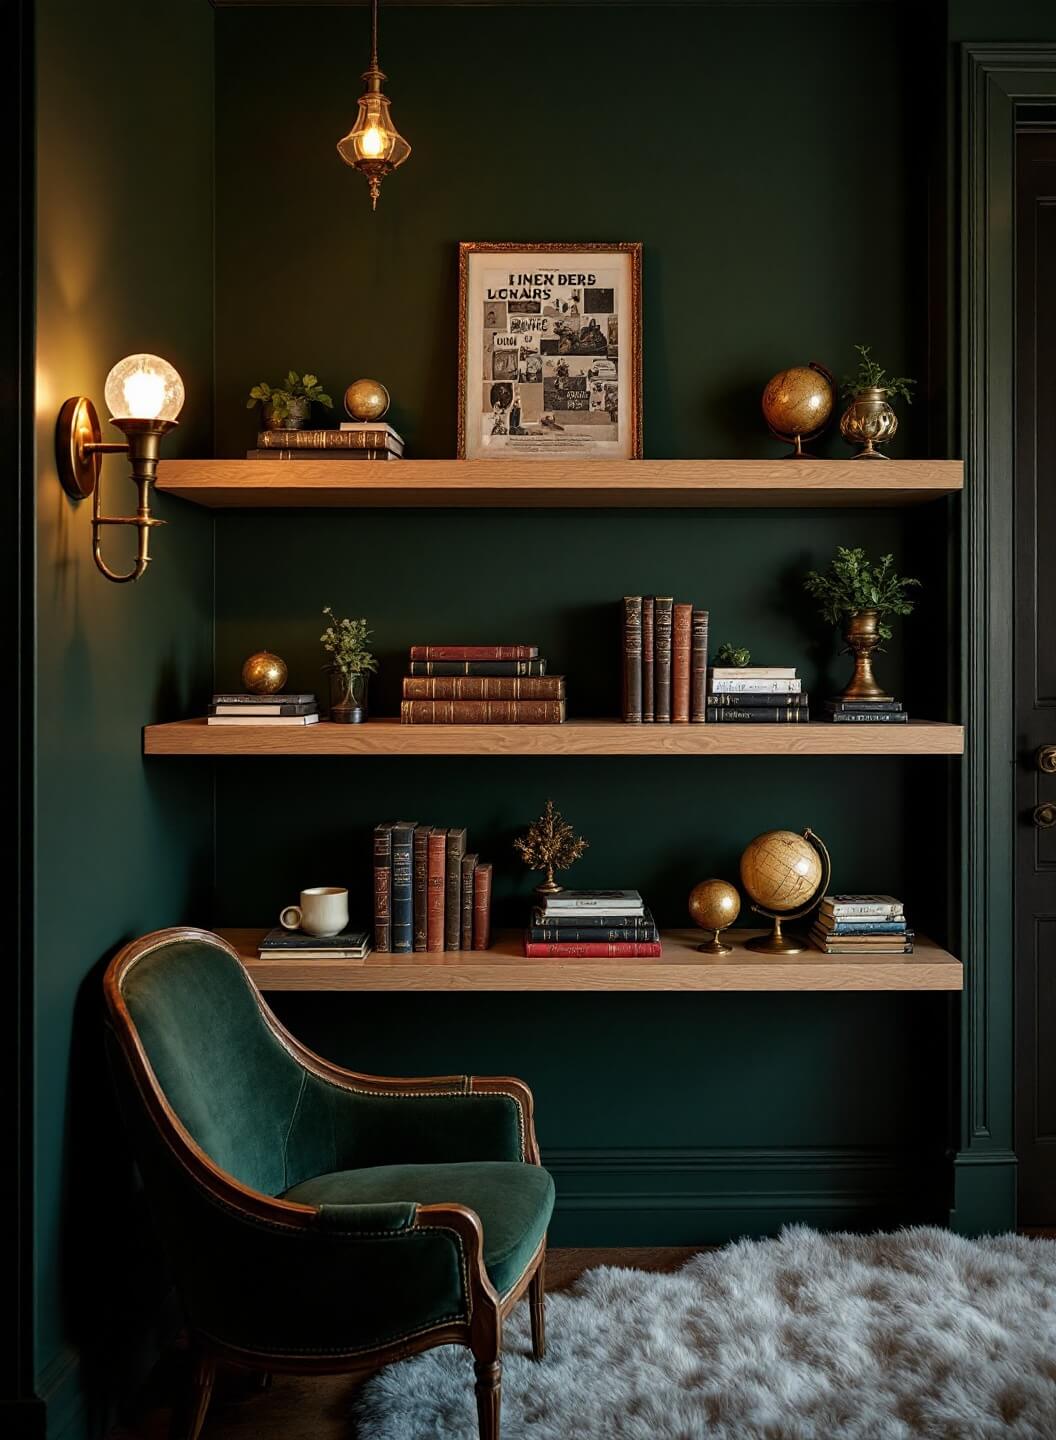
[456, 848]
[482, 712]
[662, 618]
[437, 874]
[483, 687]
[698, 667]
[383, 886]
[632, 659]
[648, 660]
[421, 888]
[482, 907]
[478, 667]
[474, 652]
[469, 864]
[543, 950]
[403, 887]
[681, 645]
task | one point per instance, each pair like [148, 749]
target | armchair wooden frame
[481, 1329]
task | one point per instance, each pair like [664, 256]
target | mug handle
[290, 918]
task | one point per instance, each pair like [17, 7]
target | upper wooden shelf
[241, 484]
[575, 737]
[680, 967]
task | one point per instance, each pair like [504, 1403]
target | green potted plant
[869, 419]
[350, 667]
[288, 406]
[860, 595]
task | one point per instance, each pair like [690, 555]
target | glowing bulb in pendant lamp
[144, 387]
[374, 146]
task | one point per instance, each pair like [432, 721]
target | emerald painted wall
[124, 263]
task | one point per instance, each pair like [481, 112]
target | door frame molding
[999, 84]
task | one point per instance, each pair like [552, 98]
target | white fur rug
[808, 1337]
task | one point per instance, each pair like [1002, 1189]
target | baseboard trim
[984, 1192]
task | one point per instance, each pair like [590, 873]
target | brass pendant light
[374, 146]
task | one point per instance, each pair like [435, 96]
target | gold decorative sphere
[264, 673]
[781, 870]
[798, 403]
[366, 400]
[714, 904]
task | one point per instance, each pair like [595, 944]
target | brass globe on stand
[785, 875]
[714, 905]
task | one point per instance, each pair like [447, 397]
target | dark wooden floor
[297, 1408]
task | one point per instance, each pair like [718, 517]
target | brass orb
[264, 673]
[366, 400]
[714, 905]
[798, 404]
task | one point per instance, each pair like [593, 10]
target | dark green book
[456, 848]
[403, 887]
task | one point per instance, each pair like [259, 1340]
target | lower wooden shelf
[680, 967]
[575, 737]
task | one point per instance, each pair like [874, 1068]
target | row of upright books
[243, 708]
[665, 660]
[429, 894]
[592, 924]
[862, 925]
[480, 685]
[355, 440]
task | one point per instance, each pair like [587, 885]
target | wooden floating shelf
[575, 737]
[680, 967]
[240, 484]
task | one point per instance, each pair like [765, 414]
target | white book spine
[870, 912]
[752, 672]
[755, 687]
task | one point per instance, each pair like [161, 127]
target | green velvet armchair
[318, 1220]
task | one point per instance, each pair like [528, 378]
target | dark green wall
[124, 264]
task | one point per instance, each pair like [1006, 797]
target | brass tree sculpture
[550, 844]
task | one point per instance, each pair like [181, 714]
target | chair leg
[489, 1397]
[537, 1301]
[188, 1420]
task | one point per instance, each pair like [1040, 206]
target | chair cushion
[514, 1202]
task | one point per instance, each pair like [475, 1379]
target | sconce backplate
[78, 427]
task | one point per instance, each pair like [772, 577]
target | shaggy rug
[808, 1337]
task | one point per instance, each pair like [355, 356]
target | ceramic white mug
[323, 911]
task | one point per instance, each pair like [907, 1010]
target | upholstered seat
[319, 1220]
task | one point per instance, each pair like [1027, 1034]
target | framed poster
[550, 351]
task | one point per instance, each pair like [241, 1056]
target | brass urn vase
[863, 636]
[869, 421]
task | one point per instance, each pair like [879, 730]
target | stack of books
[592, 924]
[356, 440]
[875, 712]
[429, 894]
[481, 685]
[862, 925]
[665, 660]
[282, 944]
[242, 708]
[757, 694]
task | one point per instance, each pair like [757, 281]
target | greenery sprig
[294, 387]
[733, 656]
[346, 642]
[871, 376]
[853, 583]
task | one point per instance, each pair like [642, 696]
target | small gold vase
[869, 421]
[863, 636]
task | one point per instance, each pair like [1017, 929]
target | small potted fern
[350, 667]
[861, 596]
[869, 419]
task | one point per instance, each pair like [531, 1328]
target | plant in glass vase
[861, 596]
[350, 667]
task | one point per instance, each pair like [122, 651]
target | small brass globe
[264, 673]
[798, 404]
[366, 400]
[714, 905]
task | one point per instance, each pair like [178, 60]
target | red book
[681, 645]
[482, 712]
[592, 950]
[482, 907]
[474, 652]
[436, 879]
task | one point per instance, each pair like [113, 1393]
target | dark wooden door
[1035, 698]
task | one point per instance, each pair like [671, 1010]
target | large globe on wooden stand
[784, 874]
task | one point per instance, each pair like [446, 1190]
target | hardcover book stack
[242, 708]
[875, 712]
[356, 440]
[282, 944]
[665, 660]
[757, 695]
[592, 924]
[481, 685]
[862, 925]
[430, 895]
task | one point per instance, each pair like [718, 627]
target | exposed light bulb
[144, 387]
[373, 142]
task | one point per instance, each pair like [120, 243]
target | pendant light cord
[374, 34]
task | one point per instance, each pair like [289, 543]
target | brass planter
[295, 418]
[869, 421]
[863, 636]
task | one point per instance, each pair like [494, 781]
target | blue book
[858, 926]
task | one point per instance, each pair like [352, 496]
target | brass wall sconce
[374, 146]
[144, 395]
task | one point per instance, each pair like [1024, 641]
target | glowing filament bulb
[144, 387]
[373, 142]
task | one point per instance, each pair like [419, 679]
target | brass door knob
[1045, 817]
[1046, 758]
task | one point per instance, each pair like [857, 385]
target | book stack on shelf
[885, 711]
[592, 924]
[756, 695]
[862, 925]
[430, 895]
[481, 685]
[665, 660]
[356, 440]
[243, 708]
[282, 944]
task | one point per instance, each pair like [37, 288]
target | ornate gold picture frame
[550, 351]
